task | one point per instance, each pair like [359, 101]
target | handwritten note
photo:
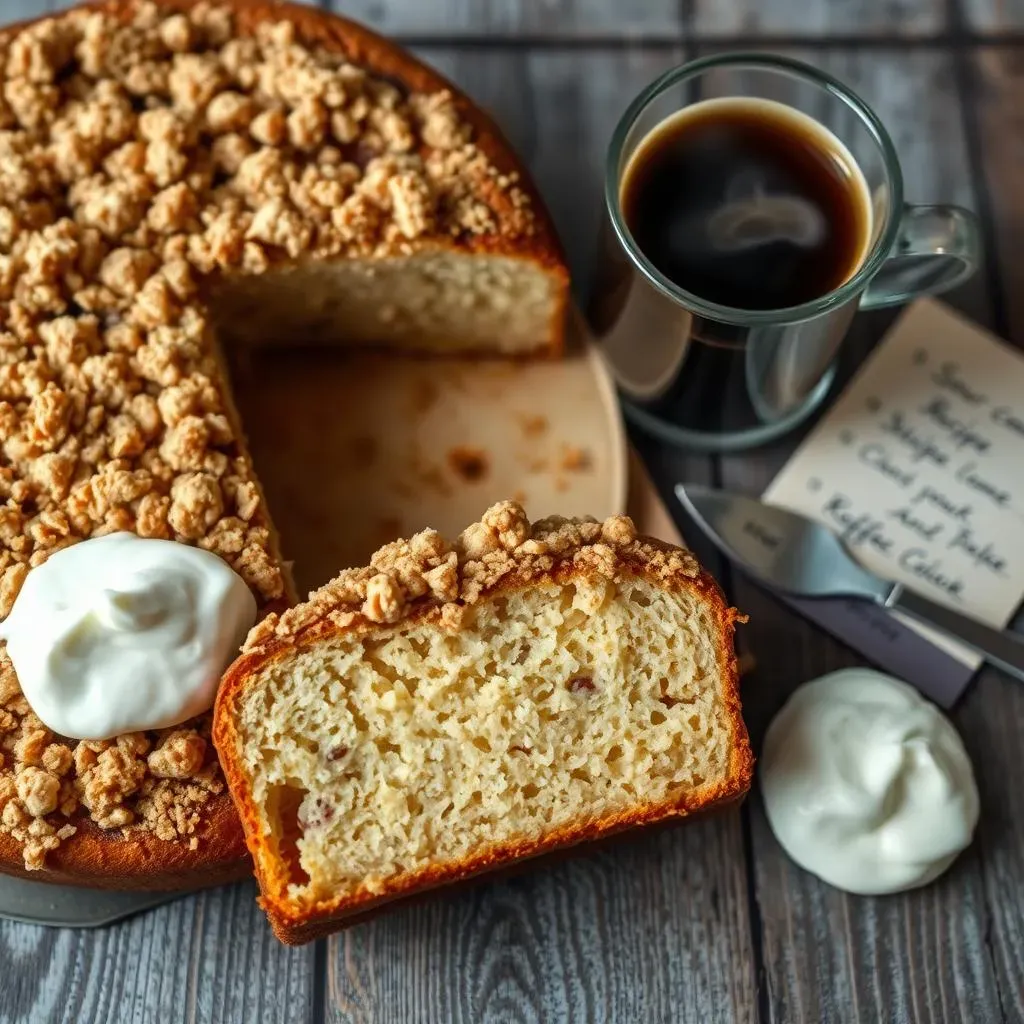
[919, 467]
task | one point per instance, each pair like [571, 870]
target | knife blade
[788, 552]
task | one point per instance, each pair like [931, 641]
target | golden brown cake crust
[128, 853]
[428, 579]
[140, 861]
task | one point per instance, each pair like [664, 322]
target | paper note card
[919, 467]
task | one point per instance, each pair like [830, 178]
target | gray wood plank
[597, 19]
[651, 929]
[996, 710]
[655, 929]
[16, 10]
[993, 718]
[994, 15]
[550, 18]
[818, 18]
[920, 956]
[997, 85]
[207, 957]
[452, 18]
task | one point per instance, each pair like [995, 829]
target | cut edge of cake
[427, 588]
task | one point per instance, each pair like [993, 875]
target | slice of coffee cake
[453, 708]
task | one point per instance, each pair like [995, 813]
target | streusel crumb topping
[503, 548]
[138, 157]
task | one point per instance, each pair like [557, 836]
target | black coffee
[744, 203]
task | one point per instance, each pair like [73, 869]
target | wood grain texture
[16, 10]
[994, 712]
[649, 929]
[208, 957]
[994, 16]
[925, 955]
[819, 18]
[996, 85]
[554, 19]
[665, 19]
[598, 20]
[448, 19]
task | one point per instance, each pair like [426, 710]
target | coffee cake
[174, 175]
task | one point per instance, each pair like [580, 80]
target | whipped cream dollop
[122, 633]
[867, 784]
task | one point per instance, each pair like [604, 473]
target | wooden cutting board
[355, 450]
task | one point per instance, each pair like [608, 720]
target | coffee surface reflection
[747, 203]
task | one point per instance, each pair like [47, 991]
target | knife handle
[1003, 649]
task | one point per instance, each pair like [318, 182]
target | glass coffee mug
[716, 378]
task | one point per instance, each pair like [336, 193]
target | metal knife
[794, 554]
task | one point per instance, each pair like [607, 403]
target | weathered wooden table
[708, 922]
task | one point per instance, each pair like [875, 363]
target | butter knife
[788, 552]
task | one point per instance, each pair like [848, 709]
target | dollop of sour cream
[867, 784]
[122, 633]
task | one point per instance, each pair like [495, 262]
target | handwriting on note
[919, 466]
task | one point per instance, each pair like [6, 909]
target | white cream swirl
[867, 784]
[121, 633]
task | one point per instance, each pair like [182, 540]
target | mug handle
[936, 248]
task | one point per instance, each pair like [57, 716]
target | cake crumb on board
[468, 463]
[533, 425]
[575, 459]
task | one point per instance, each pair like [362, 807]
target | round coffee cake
[174, 176]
